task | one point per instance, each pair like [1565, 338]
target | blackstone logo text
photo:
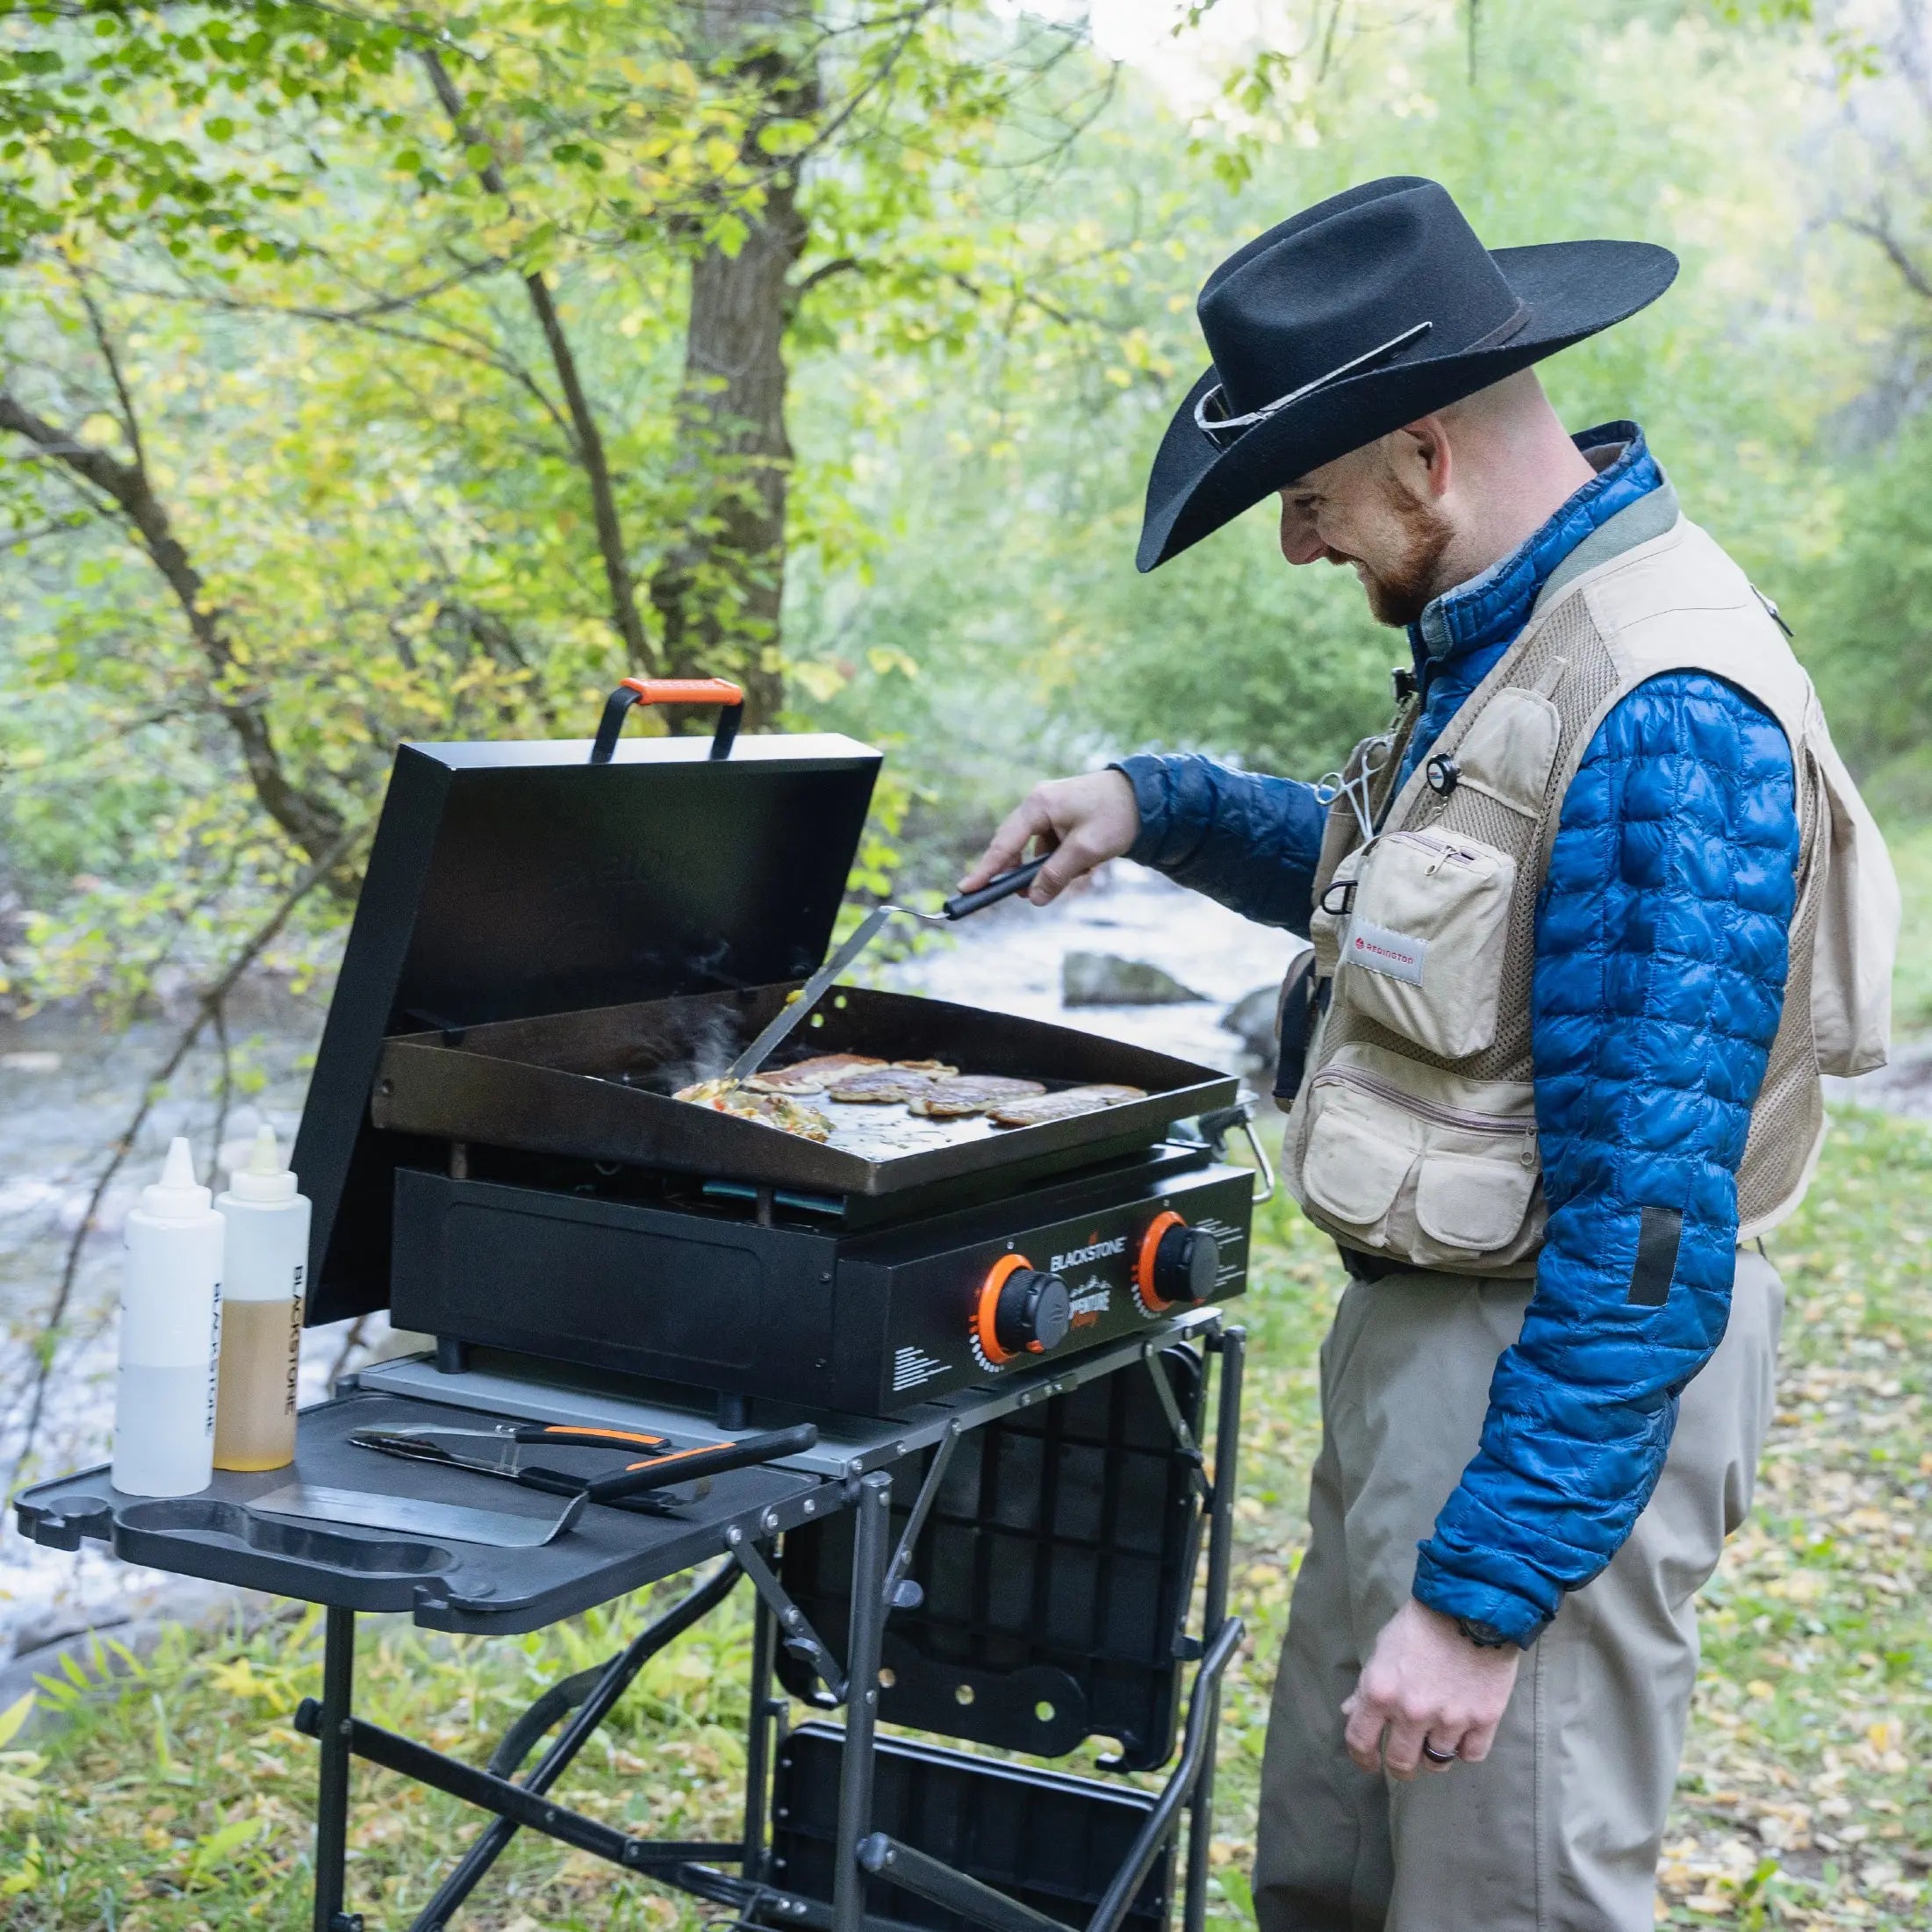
[1079, 1257]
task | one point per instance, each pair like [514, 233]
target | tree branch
[210, 1004]
[312, 823]
[588, 438]
[824, 272]
[487, 356]
[104, 342]
[1878, 229]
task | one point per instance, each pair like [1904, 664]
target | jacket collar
[1492, 606]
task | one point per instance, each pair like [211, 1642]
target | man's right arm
[1250, 842]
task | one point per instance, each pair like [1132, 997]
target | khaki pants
[1558, 1829]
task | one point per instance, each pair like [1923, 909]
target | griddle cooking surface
[599, 1086]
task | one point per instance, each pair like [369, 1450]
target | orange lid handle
[718, 690]
[685, 690]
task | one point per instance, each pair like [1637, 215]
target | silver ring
[1435, 1756]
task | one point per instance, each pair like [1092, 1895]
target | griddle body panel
[867, 1324]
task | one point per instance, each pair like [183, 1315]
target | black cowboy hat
[1354, 317]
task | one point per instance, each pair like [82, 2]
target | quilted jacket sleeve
[1661, 955]
[1249, 841]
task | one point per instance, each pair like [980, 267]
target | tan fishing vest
[1413, 1136]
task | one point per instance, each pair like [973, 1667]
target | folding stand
[1098, 1474]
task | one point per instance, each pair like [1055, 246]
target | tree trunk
[717, 594]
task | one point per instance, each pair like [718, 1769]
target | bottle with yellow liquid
[267, 1252]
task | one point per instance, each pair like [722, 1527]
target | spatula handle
[687, 1465]
[995, 889]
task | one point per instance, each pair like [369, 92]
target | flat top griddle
[599, 1086]
[550, 940]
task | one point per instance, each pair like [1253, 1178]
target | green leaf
[13, 1717]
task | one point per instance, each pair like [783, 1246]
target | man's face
[1372, 509]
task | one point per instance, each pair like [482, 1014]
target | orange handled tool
[717, 690]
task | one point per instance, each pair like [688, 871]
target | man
[1581, 948]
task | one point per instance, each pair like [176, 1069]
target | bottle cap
[265, 1177]
[243, 1125]
[175, 1197]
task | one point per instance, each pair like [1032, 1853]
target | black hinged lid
[511, 879]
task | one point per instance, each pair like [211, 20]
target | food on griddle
[809, 1076]
[1061, 1106]
[938, 1068]
[793, 1117]
[882, 1086]
[972, 1094]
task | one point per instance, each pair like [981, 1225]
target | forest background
[369, 376]
[371, 371]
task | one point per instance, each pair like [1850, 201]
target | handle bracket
[717, 690]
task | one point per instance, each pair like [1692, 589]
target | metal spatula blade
[459, 1522]
[813, 991]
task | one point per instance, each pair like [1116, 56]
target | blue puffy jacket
[1661, 955]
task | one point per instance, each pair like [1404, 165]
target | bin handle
[717, 690]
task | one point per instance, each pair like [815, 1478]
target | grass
[175, 1798]
[1911, 849]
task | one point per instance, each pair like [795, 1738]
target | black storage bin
[1053, 1841]
[1055, 1571]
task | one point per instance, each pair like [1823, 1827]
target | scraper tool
[413, 1516]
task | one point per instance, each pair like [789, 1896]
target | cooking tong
[663, 1467]
[496, 1451]
[815, 989]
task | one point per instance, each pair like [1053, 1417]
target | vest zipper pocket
[1392, 1161]
[1461, 1117]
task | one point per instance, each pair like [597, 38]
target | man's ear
[1423, 456]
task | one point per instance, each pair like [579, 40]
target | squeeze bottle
[164, 1398]
[261, 1319]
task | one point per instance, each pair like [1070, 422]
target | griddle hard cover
[510, 879]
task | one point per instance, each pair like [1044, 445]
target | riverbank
[179, 1795]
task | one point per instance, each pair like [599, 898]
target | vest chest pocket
[1422, 951]
[1328, 919]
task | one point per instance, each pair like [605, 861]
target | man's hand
[1082, 822]
[1426, 1681]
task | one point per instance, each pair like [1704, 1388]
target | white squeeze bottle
[262, 1311]
[164, 1401]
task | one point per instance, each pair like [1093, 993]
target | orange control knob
[1175, 1263]
[1021, 1307]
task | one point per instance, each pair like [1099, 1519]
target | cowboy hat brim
[1569, 291]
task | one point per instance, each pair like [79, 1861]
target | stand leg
[758, 1744]
[1227, 1435]
[332, 1794]
[617, 1678]
[872, 1556]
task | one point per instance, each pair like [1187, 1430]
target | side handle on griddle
[718, 690]
[995, 890]
[687, 1465]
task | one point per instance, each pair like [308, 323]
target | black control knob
[1187, 1263]
[1033, 1313]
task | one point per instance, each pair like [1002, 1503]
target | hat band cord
[1221, 427]
[1232, 428]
